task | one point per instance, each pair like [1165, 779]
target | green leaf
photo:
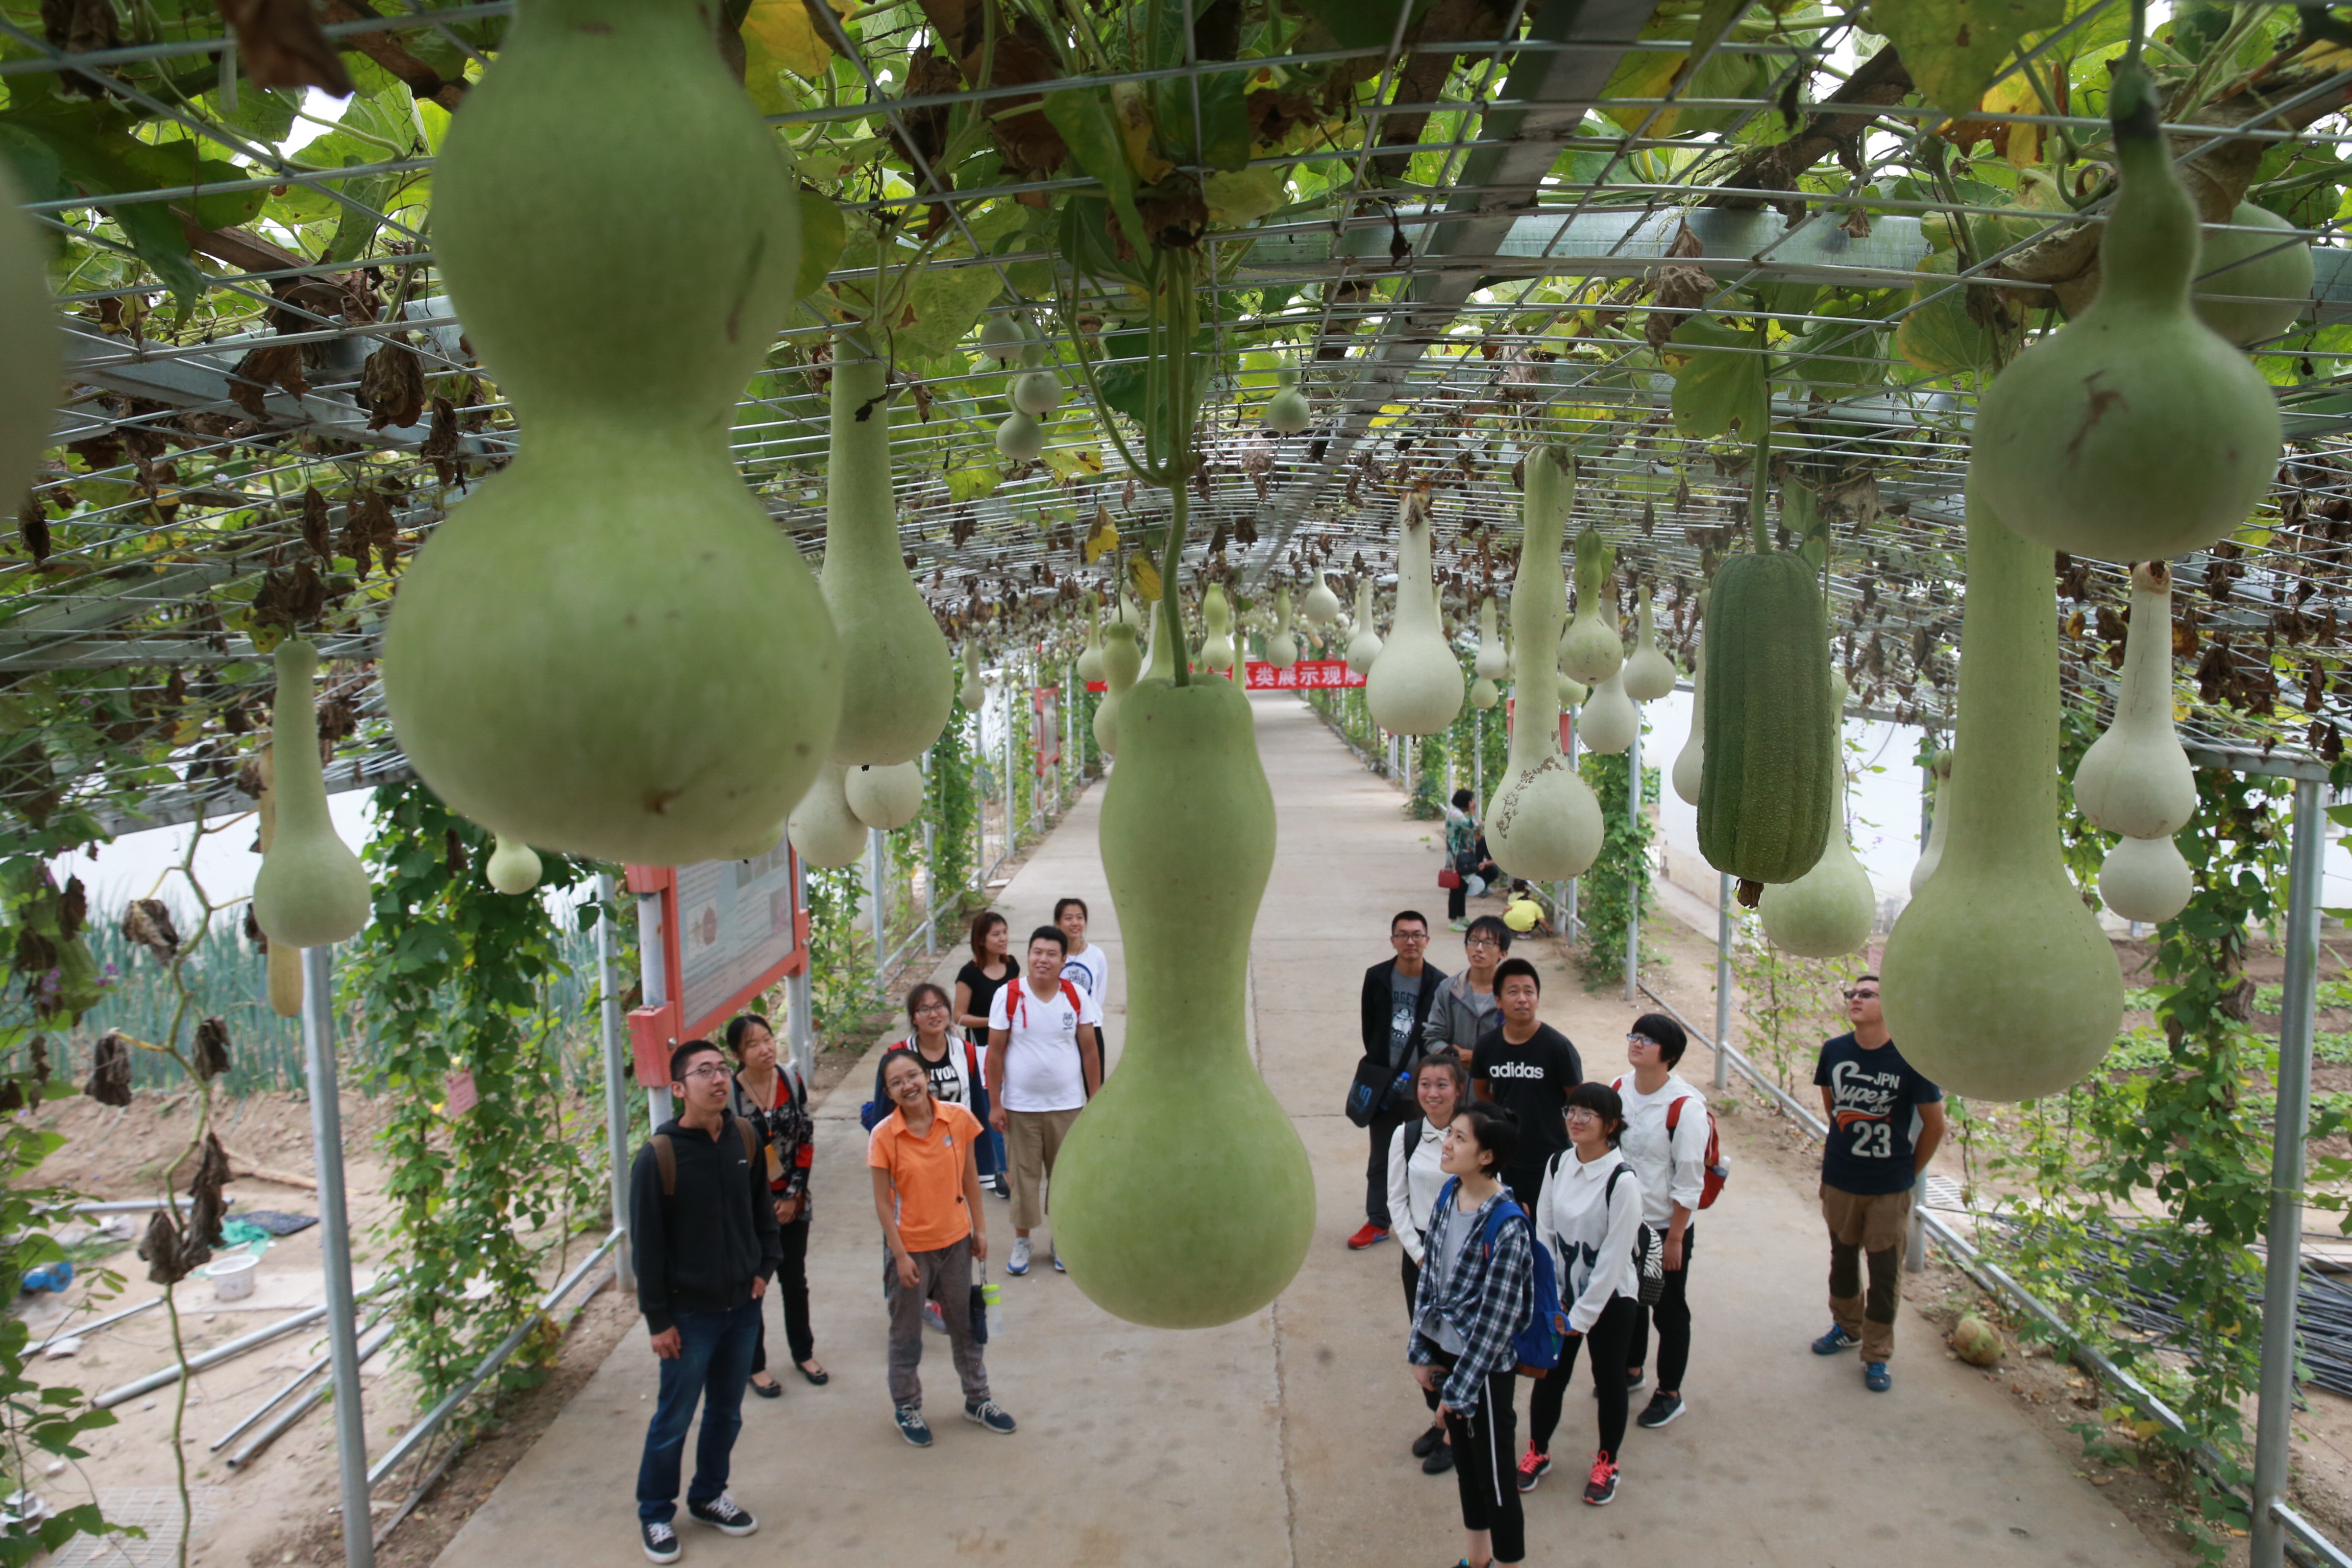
[91, 155]
[1955, 48]
[174, 165]
[1354, 24]
[822, 235]
[944, 301]
[1721, 382]
[1083, 117]
[1220, 138]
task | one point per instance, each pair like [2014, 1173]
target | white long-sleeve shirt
[1590, 1238]
[1413, 1181]
[1672, 1171]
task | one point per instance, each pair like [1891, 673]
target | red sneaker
[1371, 1236]
[1602, 1490]
[1534, 1464]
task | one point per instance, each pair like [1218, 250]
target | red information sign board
[1307, 675]
[730, 929]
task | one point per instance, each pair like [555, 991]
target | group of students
[719, 1202]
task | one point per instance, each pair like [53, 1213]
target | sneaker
[1440, 1460]
[1602, 1490]
[1004, 1188]
[989, 1414]
[658, 1539]
[1457, 925]
[1836, 1339]
[912, 1426]
[1431, 1437]
[1875, 1377]
[1059, 1267]
[1369, 1236]
[724, 1514]
[1663, 1408]
[1534, 1464]
[1019, 1262]
[933, 1318]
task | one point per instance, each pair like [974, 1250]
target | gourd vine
[952, 806]
[1616, 887]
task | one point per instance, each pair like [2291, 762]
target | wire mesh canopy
[1631, 227]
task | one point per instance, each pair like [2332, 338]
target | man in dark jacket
[1397, 994]
[705, 1236]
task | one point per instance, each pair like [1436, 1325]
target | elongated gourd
[1217, 647]
[1494, 660]
[888, 797]
[1090, 665]
[1829, 911]
[1648, 675]
[1281, 642]
[312, 890]
[1122, 664]
[30, 344]
[822, 827]
[2146, 880]
[550, 664]
[2136, 432]
[897, 676]
[1322, 606]
[2255, 286]
[1364, 644]
[1939, 826]
[1589, 649]
[513, 867]
[972, 694]
[1543, 821]
[2135, 780]
[1690, 762]
[1414, 686]
[1999, 983]
[1185, 1221]
[1608, 719]
[282, 964]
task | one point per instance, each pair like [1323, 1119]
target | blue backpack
[1537, 1343]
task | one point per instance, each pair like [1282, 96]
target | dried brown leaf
[392, 385]
[283, 45]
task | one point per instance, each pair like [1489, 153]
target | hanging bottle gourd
[281, 960]
[1607, 720]
[565, 611]
[2146, 880]
[312, 890]
[1090, 665]
[30, 344]
[1122, 664]
[1999, 980]
[972, 694]
[1036, 392]
[1494, 660]
[822, 827]
[2136, 432]
[1002, 338]
[1690, 762]
[1573, 693]
[1020, 437]
[887, 796]
[1543, 821]
[1770, 777]
[513, 867]
[1590, 649]
[1648, 674]
[2251, 287]
[1414, 686]
[1829, 911]
[1939, 824]
[897, 674]
[1364, 644]
[2135, 779]
[1322, 605]
[1286, 413]
[1217, 647]
[1281, 642]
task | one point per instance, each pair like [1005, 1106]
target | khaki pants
[1033, 1141]
[1866, 1226]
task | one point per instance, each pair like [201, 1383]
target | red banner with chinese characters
[1307, 675]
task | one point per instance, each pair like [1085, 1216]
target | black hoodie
[699, 1250]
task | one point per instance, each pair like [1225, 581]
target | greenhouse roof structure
[1468, 224]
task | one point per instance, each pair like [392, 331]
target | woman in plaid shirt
[1471, 1302]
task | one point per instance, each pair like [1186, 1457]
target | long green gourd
[2136, 432]
[898, 680]
[1415, 685]
[1364, 641]
[1543, 822]
[1829, 911]
[565, 614]
[312, 890]
[1999, 983]
[30, 344]
[1183, 1197]
[1281, 642]
[1589, 649]
[1122, 664]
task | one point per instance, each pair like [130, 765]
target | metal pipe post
[1566, 901]
[1640, 872]
[1005, 691]
[799, 1031]
[1723, 892]
[617, 1067]
[878, 896]
[930, 867]
[1478, 757]
[335, 1251]
[2282, 1237]
[653, 982]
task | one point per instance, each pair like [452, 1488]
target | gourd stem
[1760, 485]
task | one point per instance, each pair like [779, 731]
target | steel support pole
[878, 896]
[653, 983]
[800, 1030]
[335, 1252]
[1638, 872]
[2282, 1237]
[1723, 894]
[615, 1039]
[1478, 758]
[1005, 691]
[930, 867]
[1568, 925]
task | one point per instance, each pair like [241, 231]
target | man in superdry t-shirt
[1886, 1119]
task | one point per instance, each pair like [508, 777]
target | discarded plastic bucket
[232, 1277]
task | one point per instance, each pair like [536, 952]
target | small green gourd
[312, 890]
[564, 612]
[513, 867]
[1281, 642]
[1572, 693]
[1322, 606]
[1185, 1221]
[2146, 880]
[1217, 646]
[1414, 686]
[1589, 649]
[1286, 412]
[1690, 762]
[1122, 665]
[1608, 721]
[1001, 338]
[1021, 437]
[1648, 675]
[1999, 982]
[972, 694]
[1494, 660]
[30, 344]
[888, 797]
[2135, 780]
[898, 678]
[2252, 287]
[1036, 392]
[1484, 693]
[2136, 432]
[1089, 661]
[822, 827]
[1829, 911]
[1939, 824]
[1364, 643]
[1543, 821]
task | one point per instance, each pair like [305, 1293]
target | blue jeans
[713, 1363]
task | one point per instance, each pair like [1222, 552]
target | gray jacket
[1458, 1015]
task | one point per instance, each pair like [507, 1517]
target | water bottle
[51, 1276]
[992, 1297]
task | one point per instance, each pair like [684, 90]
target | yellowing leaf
[1103, 539]
[1954, 48]
[781, 33]
[1145, 577]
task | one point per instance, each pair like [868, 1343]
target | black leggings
[1412, 1295]
[791, 1284]
[1484, 1471]
[1606, 1342]
[1674, 1319]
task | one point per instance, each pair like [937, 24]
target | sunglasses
[1862, 995]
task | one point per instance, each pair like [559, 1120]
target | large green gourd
[1182, 1198]
[1544, 821]
[312, 890]
[1414, 684]
[2135, 432]
[1999, 983]
[610, 648]
[897, 678]
[2253, 286]
[30, 345]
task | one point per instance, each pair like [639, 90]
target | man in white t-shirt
[1045, 1061]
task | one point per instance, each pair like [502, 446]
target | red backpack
[1717, 1172]
[1021, 993]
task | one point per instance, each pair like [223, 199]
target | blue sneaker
[1019, 1262]
[912, 1426]
[987, 1413]
[1836, 1339]
[1875, 1377]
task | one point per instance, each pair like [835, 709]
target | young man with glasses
[1465, 1009]
[702, 1225]
[1886, 1120]
[1397, 996]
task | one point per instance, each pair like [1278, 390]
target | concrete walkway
[1281, 1440]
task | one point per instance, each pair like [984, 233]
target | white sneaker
[1019, 1262]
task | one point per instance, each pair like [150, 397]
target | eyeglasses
[1410, 935]
[1480, 940]
[707, 1070]
[1862, 995]
[1639, 1040]
[930, 1007]
[1581, 1114]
